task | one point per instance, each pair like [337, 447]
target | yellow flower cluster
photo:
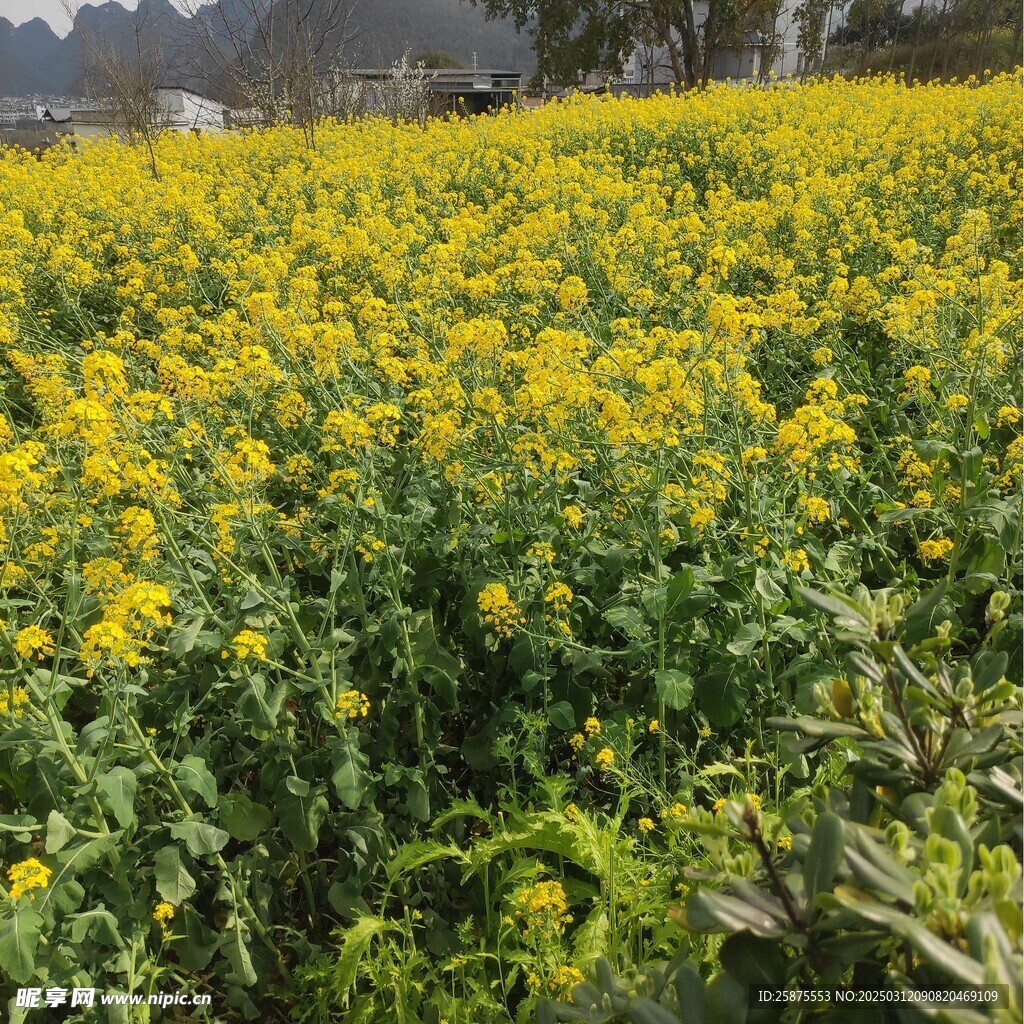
[13, 701]
[33, 642]
[511, 315]
[935, 550]
[500, 612]
[163, 914]
[27, 875]
[677, 810]
[541, 909]
[352, 704]
[248, 644]
[558, 596]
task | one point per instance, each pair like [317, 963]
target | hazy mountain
[30, 59]
[35, 60]
[389, 27]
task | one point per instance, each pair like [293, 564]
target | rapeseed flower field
[356, 503]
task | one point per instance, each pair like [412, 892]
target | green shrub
[906, 877]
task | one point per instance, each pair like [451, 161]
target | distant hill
[33, 59]
[387, 28]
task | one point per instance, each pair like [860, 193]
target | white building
[174, 109]
[186, 111]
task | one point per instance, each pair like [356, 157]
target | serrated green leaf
[354, 946]
[200, 838]
[675, 688]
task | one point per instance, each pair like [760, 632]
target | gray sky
[19, 11]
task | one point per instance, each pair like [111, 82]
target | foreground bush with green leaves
[905, 878]
[403, 541]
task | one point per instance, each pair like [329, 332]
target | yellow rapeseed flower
[27, 875]
[352, 704]
[33, 642]
[248, 644]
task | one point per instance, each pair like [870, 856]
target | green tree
[570, 37]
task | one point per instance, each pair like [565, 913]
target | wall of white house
[187, 111]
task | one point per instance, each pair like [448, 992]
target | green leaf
[747, 637]
[679, 588]
[655, 601]
[721, 696]
[948, 824]
[922, 616]
[196, 948]
[690, 991]
[938, 953]
[562, 716]
[254, 707]
[70, 861]
[193, 776]
[753, 961]
[20, 820]
[766, 586]
[355, 944]
[350, 765]
[19, 938]
[98, 924]
[645, 1011]
[300, 816]
[873, 864]
[840, 607]
[200, 838]
[725, 1001]
[431, 660]
[708, 911]
[675, 688]
[173, 882]
[522, 658]
[116, 790]
[64, 894]
[234, 945]
[183, 639]
[628, 619]
[59, 832]
[243, 818]
[824, 854]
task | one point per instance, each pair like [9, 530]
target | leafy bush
[909, 875]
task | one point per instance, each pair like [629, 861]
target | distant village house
[174, 109]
